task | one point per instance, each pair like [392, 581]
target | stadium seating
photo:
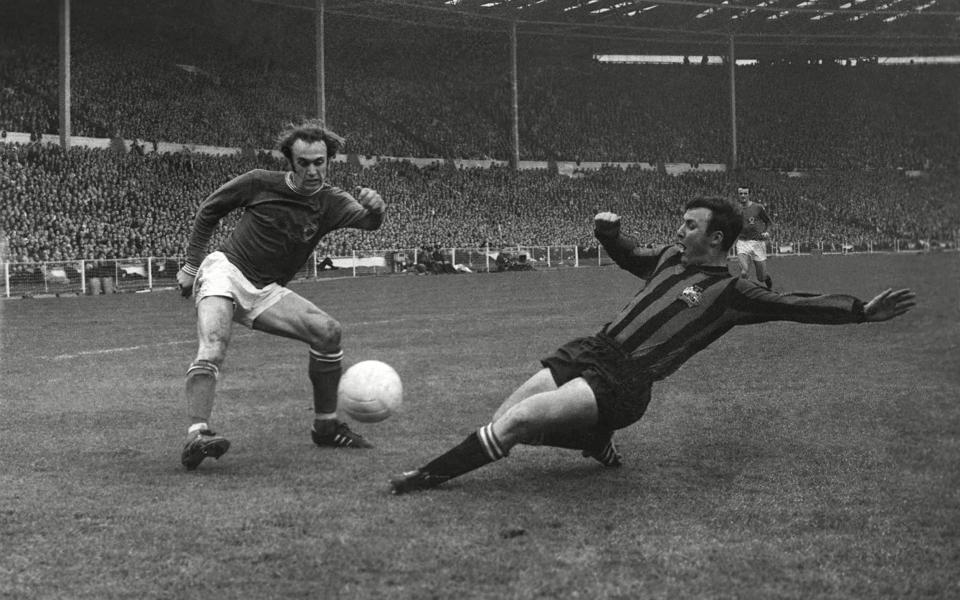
[176, 73]
[101, 204]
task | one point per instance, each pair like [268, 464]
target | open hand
[889, 304]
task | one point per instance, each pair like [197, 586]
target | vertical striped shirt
[681, 310]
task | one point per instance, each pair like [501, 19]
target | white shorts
[755, 249]
[217, 276]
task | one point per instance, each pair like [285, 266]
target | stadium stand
[174, 73]
[101, 204]
[171, 74]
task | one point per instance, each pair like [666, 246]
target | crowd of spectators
[182, 72]
[103, 204]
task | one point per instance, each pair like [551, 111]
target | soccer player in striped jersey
[285, 214]
[592, 386]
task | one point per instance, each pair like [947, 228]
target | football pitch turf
[784, 461]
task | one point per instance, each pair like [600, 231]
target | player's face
[744, 196]
[309, 164]
[698, 245]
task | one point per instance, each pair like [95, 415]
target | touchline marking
[115, 350]
[173, 343]
[194, 341]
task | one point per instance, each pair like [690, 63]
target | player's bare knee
[519, 424]
[325, 333]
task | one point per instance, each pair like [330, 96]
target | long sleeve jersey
[682, 309]
[755, 222]
[279, 228]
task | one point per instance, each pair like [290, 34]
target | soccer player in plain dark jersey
[752, 243]
[592, 386]
[285, 214]
[280, 225]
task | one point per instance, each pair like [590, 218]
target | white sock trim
[326, 356]
[197, 427]
[490, 443]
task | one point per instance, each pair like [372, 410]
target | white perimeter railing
[80, 277]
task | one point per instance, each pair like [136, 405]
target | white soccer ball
[370, 391]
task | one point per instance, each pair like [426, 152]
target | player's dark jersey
[681, 310]
[279, 228]
[755, 222]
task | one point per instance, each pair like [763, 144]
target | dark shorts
[621, 387]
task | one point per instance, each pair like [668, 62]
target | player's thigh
[541, 381]
[293, 316]
[571, 405]
[214, 326]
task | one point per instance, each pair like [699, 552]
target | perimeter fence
[93, 277]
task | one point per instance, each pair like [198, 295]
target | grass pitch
[785, 461]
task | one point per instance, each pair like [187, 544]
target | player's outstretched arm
[889, 304]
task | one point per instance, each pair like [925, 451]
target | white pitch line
[173, 343]
[115, 350]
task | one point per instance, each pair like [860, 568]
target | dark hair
[311, 130]
[725, 217]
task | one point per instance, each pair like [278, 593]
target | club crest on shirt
[692, 295]
[310, 230]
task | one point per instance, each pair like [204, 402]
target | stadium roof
[758, 27]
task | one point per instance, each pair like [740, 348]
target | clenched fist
[607, 224]
[370, 200]
[185, 283]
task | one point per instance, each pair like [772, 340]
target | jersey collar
[712, 270]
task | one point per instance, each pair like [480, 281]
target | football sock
[324, 370]
[491, 443]
[200, 386]
[197, 428]
[326, 426]
[768, 282]
[478, 449]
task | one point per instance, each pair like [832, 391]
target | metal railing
[92, 277]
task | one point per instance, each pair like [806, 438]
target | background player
[285, 214]
[592, 386]
[752, 243]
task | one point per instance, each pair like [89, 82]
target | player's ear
[716, 238]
